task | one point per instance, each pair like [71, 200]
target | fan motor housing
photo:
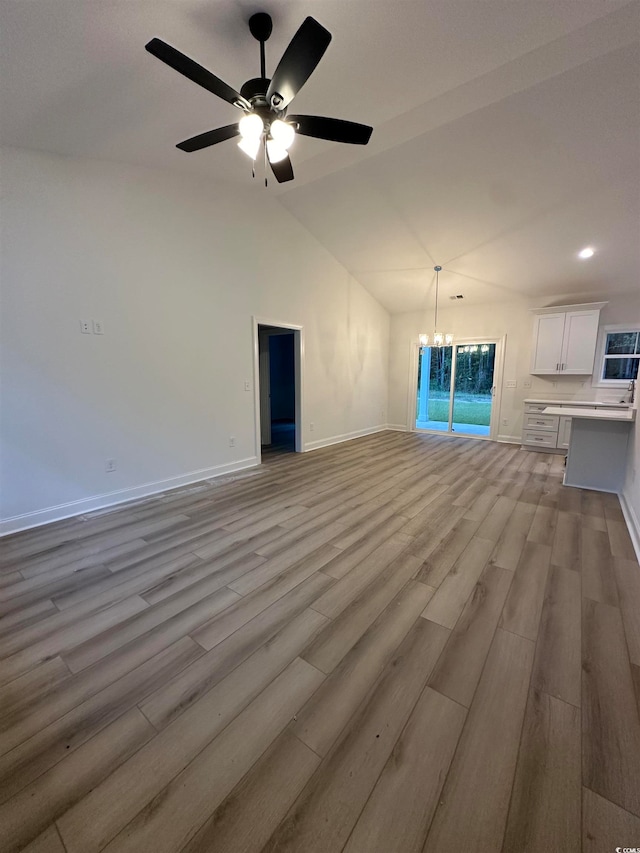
[255, 88]
[255, 91]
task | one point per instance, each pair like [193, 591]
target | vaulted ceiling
[506, 134]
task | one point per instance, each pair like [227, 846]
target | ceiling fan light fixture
[275, 151]
[282, 133]
[251, 126]
[250, 146]
[264, 102]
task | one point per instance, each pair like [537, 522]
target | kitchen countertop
[609, 414]
[577, 403]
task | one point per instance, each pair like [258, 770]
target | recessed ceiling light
[587, 252]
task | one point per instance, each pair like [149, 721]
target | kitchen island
[598, 447]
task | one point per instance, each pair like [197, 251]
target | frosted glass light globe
[282, 133]
[275, 151]
[250, 146]
[251, 126]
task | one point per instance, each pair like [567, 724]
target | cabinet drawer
[541, 422]
[535, 407]
[539, 439]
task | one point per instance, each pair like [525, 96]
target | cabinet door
[564, 431]
[579, 346]
[546, 353]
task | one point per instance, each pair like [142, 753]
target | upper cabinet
[564, 339]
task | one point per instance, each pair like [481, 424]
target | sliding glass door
[456, 388]
[434, 388]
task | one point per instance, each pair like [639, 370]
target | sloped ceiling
[506, 134]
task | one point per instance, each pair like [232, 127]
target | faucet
[631, 392]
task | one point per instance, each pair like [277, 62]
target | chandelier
[439, 339]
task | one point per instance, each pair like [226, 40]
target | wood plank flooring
[400, 644]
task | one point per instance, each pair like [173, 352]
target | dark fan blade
[183, 65]
[283, 170]
[211, 137]
[334, 129]
[298, 62]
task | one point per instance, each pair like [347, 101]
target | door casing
[298, 357]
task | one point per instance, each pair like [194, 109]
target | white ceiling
[506, 134]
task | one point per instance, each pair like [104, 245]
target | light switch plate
[511, 383]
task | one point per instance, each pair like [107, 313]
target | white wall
[175, 268]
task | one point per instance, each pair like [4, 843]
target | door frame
[498, 373]
[298, 361]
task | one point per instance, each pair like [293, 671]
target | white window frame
[597, 380]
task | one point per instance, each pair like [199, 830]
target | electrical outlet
[98, 327]
[505, 422]
[247, 385]
[311, 427]
[85, 327]
[232, 441]
[526, 383]
[511, 383]
[110, 465]
[555, 384]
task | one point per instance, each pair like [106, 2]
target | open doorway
[278, 388]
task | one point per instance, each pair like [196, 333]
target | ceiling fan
[265, 101]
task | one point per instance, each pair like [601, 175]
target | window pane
[620, 343]
[621, 368]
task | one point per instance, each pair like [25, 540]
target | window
[621, 356]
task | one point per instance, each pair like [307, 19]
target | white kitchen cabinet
[539, 431]
[564, 341]
[551, 433]
[548, 336]
[564, 432]
[579, 341]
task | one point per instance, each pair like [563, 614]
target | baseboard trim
[633, 524]
[510, 439]
[347, 436]
[397, 427]
[16, 523]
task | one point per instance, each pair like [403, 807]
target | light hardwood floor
[401, 643]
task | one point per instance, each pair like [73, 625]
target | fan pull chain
[266, 183]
